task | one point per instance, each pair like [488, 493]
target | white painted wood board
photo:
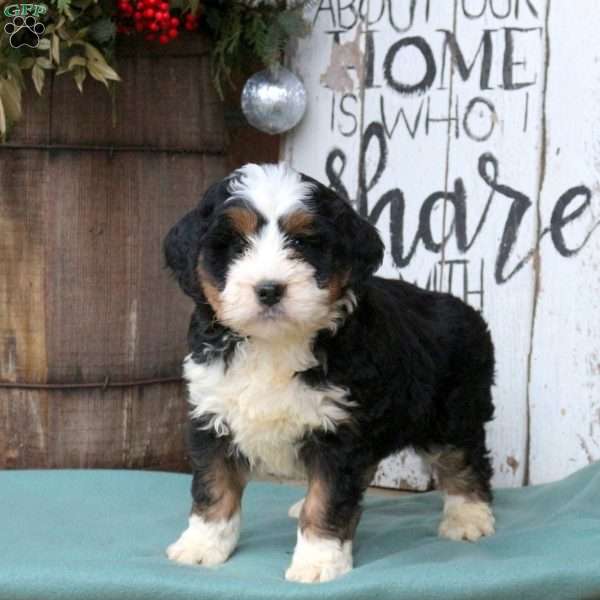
[565, 377]
[437, 103]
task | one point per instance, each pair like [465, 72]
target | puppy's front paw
[464, 520]
[188, 551]
[316, 573]
[205, 542]
[192, 552]
[317, 560]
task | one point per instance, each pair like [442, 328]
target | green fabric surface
[102, 534]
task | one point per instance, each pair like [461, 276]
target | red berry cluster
[153, 17]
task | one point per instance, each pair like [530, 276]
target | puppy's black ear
[358, 249]
[183, 243]
[362, 244]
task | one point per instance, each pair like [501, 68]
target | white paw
[317, 573]
[189, 552]
[207, 543]
[295, 509]
[464, 520]
[317, 560]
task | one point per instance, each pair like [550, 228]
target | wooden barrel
[92, 328]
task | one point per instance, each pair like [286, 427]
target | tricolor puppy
[303, 363]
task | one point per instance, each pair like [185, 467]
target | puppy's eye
[303, 241]
[238, 246]
[297, 242]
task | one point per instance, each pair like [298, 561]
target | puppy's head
[271, 250]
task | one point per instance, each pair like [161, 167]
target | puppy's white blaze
[261, 402]
[304, 305]
[274, 190]
[319, 559]
[206, 542]
[466, 519]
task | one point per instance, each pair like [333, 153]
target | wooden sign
[468, 131]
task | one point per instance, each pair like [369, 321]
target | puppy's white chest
[262, 404]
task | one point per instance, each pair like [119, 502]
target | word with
[454, 277]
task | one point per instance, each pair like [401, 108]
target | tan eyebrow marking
[244, 221]
[298, 222]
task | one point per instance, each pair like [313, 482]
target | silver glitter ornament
[274, 100]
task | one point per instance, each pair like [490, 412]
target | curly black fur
[418, 365]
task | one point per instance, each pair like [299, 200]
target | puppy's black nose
[269, 293]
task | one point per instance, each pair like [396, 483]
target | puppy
[303, 363]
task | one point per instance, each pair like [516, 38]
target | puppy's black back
[420, 365]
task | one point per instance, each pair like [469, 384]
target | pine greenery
[245, 34]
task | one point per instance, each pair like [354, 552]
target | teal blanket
[101, 535]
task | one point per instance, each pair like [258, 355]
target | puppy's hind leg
[464, 476]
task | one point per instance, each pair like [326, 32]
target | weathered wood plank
[34, 126]
[81, 301]
[331, 64]
[22, 265]
[498, 109]
[107, 217]
[136, 427]
[24, 430]
[165, 100]
[84, 294]
[406, 140]
[565, 369]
